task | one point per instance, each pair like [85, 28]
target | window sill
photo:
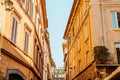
[115, 29]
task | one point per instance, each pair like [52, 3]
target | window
[0, 27]
[26, 41]
[77, 22]
[74, 71]
[69, 42]
[73, 33]
[34, 50]
[116, 19]
[29, 7]
[37, 54]
[35, 19]
[78, 44]
[117, 47]
[38, 65]
[38, 30]
[87, 58]
[40, 61]
[22, 1]
[79, 65]
[86, 32]
[14, 29]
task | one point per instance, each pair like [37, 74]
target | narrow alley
[59, 40]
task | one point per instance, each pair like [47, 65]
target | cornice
[70, 19]
[44, 13]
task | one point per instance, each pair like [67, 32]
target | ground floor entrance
[15, 74]
[15, 77]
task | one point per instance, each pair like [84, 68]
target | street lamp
[8, 4]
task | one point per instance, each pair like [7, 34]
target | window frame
[87, 58]
[14, 30]
[118, 45]
[26, 45]
[114, 20]
[79, 65]
[29, 7]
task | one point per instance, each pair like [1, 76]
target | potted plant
[101, 54]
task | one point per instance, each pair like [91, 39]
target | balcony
[104, 70]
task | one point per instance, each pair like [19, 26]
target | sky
[58, 12]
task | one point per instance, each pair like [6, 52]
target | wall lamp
[8, 4]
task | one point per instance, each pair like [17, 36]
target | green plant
[101, 53]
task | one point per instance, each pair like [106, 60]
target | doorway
[15, 77]
[15, 74]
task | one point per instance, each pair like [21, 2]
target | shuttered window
[29, 7]
[14, 29]
[26, 41]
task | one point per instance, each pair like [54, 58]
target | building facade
[52, 68]
[49, 65]
[22, 35]
[92, 23]
[59, 74]
[65, 52]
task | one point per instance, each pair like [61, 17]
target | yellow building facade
[91, 23]
[22, 35]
